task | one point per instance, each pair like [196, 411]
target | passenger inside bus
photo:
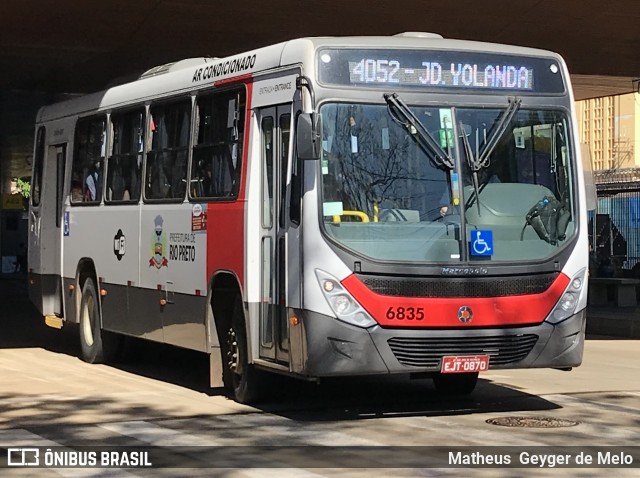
[201, 183]
[207, 182]
[159, 185]
[94, 182]
[76, 191]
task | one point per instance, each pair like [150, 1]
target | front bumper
[335, 348]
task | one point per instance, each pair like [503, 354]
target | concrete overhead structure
[79, 47]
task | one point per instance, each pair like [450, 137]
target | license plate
[465, 364]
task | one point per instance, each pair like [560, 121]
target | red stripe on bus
[235, 79]
[225, 220]
[393, 311]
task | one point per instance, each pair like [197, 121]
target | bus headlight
[567, 304]
[341, 302]
[568, 301]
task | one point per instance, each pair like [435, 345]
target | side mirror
[308, 136]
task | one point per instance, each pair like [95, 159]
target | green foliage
[24, 185]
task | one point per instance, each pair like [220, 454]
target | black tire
[240, 377]
[455, 383]
[96, 345]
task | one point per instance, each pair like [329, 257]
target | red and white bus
[321, 207]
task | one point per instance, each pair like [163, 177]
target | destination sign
[464, 75]
[439, 70]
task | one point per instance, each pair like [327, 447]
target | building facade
[610, 126]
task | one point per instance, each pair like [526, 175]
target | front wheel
[96, 345]
[455, 383]
[242, 378]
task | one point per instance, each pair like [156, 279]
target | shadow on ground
[333, 399]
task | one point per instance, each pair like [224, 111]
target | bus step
[53, 321]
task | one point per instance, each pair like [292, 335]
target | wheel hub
[233, 352]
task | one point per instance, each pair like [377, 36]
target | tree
[24, 185]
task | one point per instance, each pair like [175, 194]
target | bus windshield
[456, 184]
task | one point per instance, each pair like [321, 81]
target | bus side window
[125, 162]
[217, 150]
[87, 168]
[166, 172]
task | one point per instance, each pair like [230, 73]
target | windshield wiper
[484, 157]
[474, 164]
[404, 116]
[498, 132]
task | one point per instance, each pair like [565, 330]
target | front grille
[428, 352]
[459, 287]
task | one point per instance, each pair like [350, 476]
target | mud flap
[215, 368]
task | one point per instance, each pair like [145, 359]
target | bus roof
[195, 73]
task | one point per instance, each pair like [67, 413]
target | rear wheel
[241, 377]
[96, 345]
[455, 383]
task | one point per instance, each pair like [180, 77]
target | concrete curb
[622, 327]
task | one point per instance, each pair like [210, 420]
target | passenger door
[60, 154]
[275, 127]
[46, 224]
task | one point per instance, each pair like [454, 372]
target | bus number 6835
[405, 313]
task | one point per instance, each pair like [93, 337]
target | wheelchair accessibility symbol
[481, 243]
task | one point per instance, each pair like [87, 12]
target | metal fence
[615, 232]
